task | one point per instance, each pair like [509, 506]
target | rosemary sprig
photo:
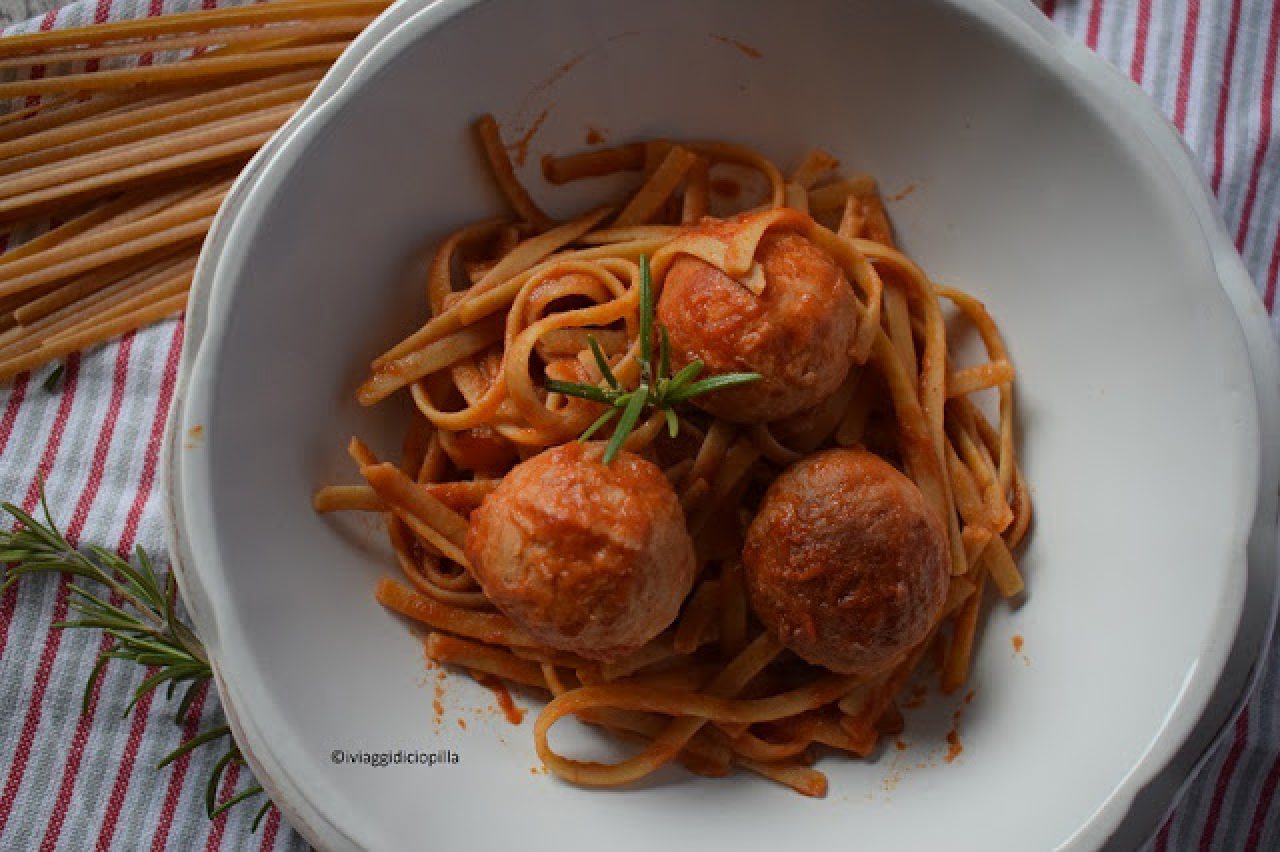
[139, 615]
[657, 389]
[50, 384]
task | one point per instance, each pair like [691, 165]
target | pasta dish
[701, 465]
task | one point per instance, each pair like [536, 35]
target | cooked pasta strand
[513, 307]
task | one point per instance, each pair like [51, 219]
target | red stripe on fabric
[138, 726]
[204, 4]
[270, 830]
[155, 9]
[37, 71]
[1266, 796]
[1050, 8]
[1264, 134]
[115, 803]
[18, 768]
[75, 527]
[98, 466]
[1141, 30]
[155, 441]
[1272, 272]
[1224, 98]
[1224, 780]
[75, 756]
[219, 827]
[1162, 839]
[16, 396]
[174, 791]
[17, 393]
[1095, 25]
[100, 14]
[1189, 34]
[33, 495]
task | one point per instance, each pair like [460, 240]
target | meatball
[846, 563]
[796, 334]
[587, 557]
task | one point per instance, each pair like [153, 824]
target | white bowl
[1044, 184]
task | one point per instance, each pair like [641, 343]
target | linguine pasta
[518, 301]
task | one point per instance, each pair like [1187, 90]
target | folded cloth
[72, 780]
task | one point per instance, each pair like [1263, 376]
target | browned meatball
[846, 563]
[796, 334]
[590, 558]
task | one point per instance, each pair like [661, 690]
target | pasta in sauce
[762, 567]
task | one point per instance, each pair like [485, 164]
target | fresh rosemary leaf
[657, 387]
[664, 352]
[690, 372]
[257, 819]
[255, 790]
[581, 391]
[50, 384]
[146, 686]
[646, 319]
[712, 383]
[194, 743]
[188, 698]
[603, 362]
[626, 423]
[598, 424]
[94, 674]
[137, 612]
[211, 787]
